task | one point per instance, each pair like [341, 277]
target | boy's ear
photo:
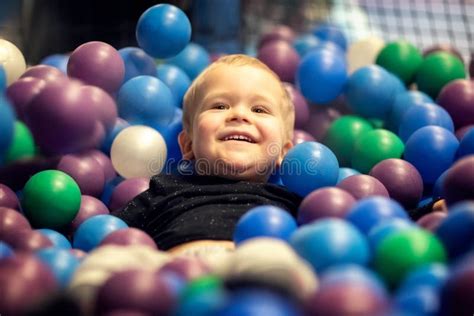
[185, 144]
[288, 145]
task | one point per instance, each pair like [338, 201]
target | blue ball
[109, 189]
[456, 231]
[369, 212]
[58, 61]
[332, 33]
[384, 229]
[438, 185]
[3, 79]
[163, 31]
[137, 63]
[371, 91]
[170, 134]
[432, 275]
[418, 301]
[309, 166]
[5, 250]
[305, 43]
[58, 239]
[193, 59]
[329, 242]
[62, 263]
[321, 75]
[466, 145]
[146, 100]
[346, 172]
[431, 149]
[404, 101]
[94, 229]
[422, 115]
[7, 124]
[109, 138]
[265, 221]
[176, 79]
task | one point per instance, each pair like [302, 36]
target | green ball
[374, 146]
[342, 134]
[437, 70]
[203, 284]
[23, 144]
[51, 199]
[404, 251]
[402, 59]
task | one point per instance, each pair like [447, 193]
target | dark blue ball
[176, 79]
[466, 145]
[56, 60]
[7, 123]
[3, 79]
[404, 101]
[137, 63]
[332, 33]
[193, 59]
[58, 239]
[5, 250]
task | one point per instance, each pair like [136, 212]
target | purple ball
[458, 184]
[98, 64]
[126, 191]
[28, 240]
[301, 106]
[103, 104]
[188, 268]
[90, 206]
[22, 91]
[362, 186]
[281, 57]
[11, 221]
[300, 136]
[278, 32]
[8, 198]
[105, 163]
[320, 119]
[60, 120]
[47, 73]
[457, 98]
[86, 171]
[325, 202]
[24, 281]
[443, 48]
[457, 294]
[431, 220]
[401, 179]
[129, 236]
[137, 290]
[462, 131]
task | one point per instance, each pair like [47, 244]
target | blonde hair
[191, 96]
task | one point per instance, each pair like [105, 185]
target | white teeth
[239, 137]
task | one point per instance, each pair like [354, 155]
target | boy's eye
[259, 109]
[219, 106]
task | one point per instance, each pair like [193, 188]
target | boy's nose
[238, 114]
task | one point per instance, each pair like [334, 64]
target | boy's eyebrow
[230, 95]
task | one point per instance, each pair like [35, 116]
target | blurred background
[44, 27]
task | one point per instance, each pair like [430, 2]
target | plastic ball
[309, 166]
[163, 31]
[432, 275]
[330, 242]
[24, 281]
[170, 134]
[5, 250]
[138, 151]
[58, 239]
[104, 161]
[22, 91]
[432, 220]
[137, 63]
[324, 202]
[431, 149]
[11, 221]
[51, 199]
[98, 64]
[119, 125]
[443, 48]
[437, 70]
[466, 144]
[186, 267]
[62, 263]
[417, 301]
[86, 172]
[457, 97]
[386, 228]
[457, 293]
[343, 133]
[320, 119]
[7, 126]
[423, 115]
[305, 43]
[402, 59]
[94, 229]
[128, 237]
[300, 104]
[90, 206]
[104, 105]
[371, 91]
[8, 198]
[176, 79]
[28, 240]
[3, 79]
[345, 173]
[371, 211]
[60, 119]
[261, 221]
[281, 57]
[145, 100]
[328, 32]
[460, 132]
[419, 248]
[402, 103]
[363, 52]
[193, 59]
[109, 188]
[457, 185]
[321, 75]
[12, 61]
[278, 32]
[401, 179]
[300, 136]
[22, 145]
[126, 190]
[56, 60]
[456, 230]
[44, 72]
[362, 186]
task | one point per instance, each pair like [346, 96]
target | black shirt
[177, 208]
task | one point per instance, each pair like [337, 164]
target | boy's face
[238, 129]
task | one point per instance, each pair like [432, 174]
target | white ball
[363, 53]
[12, 61]
[138, 151]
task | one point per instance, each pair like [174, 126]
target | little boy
[237, 127]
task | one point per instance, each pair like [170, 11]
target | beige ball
[363, 53]
[12, 60]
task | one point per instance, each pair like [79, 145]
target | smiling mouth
[241, 138]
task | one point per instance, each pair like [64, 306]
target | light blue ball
[387, 227]
[3, 79]
[332, 33]
[7, 124]
[433, 275]
[305, 43]
[346, 172]
[5, 250]
[58, 61]
[58, 239]
[176, 79]
[193, 59]
[137, 63]
[62, 263]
